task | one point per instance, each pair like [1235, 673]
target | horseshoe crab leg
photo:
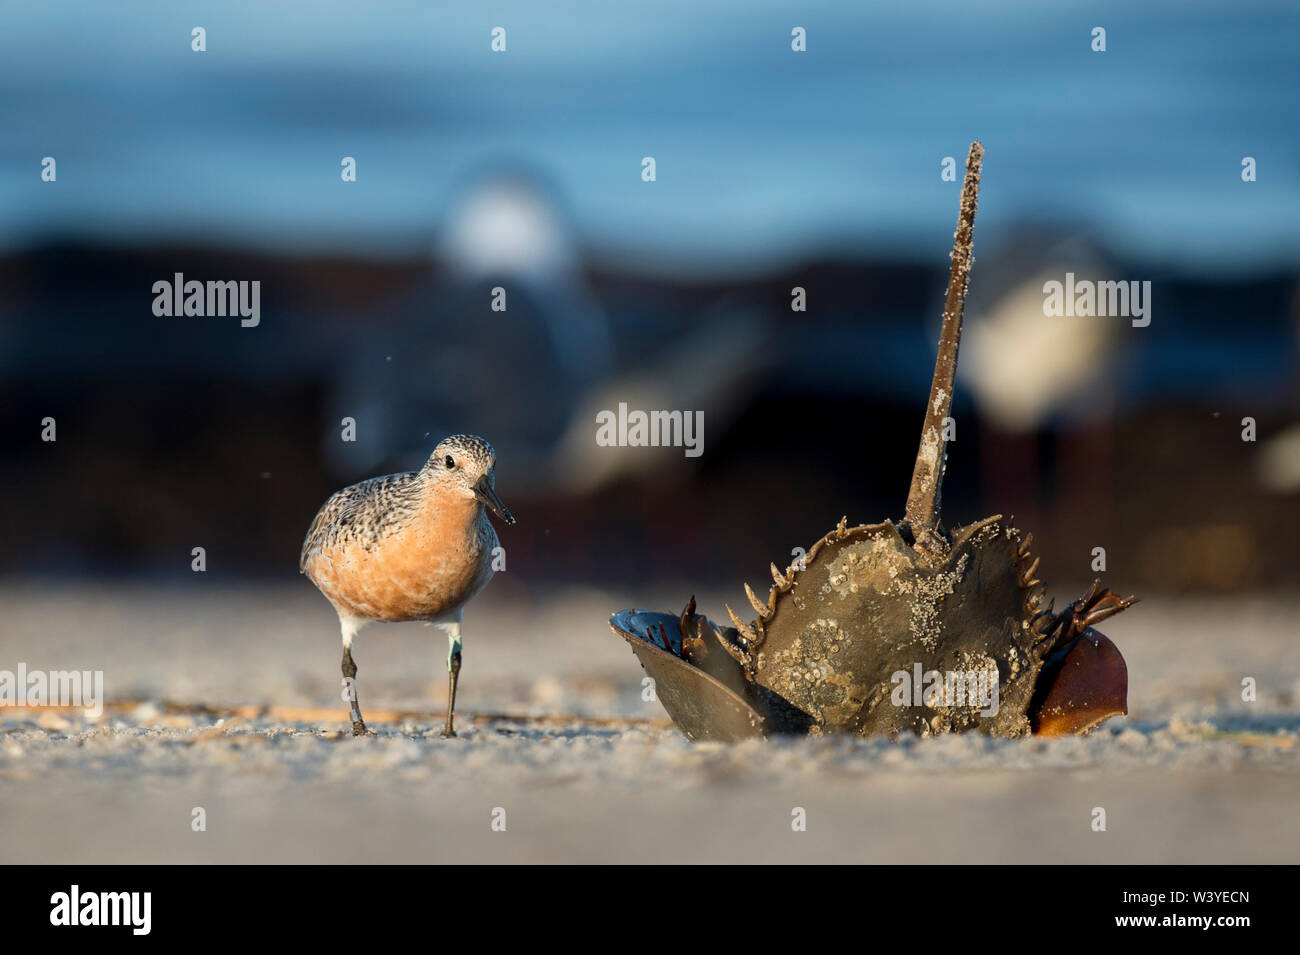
[922, 511]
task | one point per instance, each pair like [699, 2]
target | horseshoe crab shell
[892, 628]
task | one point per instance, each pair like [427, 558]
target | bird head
[464, 464]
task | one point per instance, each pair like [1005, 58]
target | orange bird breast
[425, 569]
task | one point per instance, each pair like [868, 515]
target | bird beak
[483, 491]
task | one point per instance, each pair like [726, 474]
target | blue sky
[762, 154]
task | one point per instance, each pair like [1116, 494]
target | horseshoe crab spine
[923, 498]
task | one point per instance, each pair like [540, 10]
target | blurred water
[762, 153]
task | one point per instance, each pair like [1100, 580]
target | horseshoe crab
[890, 628]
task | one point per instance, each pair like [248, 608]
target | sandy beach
[224, 697]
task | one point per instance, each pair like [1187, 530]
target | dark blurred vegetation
[177, 432]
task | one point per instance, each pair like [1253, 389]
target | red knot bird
[411, 546]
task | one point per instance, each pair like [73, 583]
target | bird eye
[451, 462]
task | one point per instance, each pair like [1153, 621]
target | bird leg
[453, 673]
[350, 691]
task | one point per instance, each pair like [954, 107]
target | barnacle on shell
[896, 628]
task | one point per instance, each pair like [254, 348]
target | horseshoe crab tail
[922, 513]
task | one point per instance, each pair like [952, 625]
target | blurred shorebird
[411, 546]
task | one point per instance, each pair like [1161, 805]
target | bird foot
[358, 728]
[448, 732]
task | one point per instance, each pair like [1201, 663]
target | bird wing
[360, 510]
